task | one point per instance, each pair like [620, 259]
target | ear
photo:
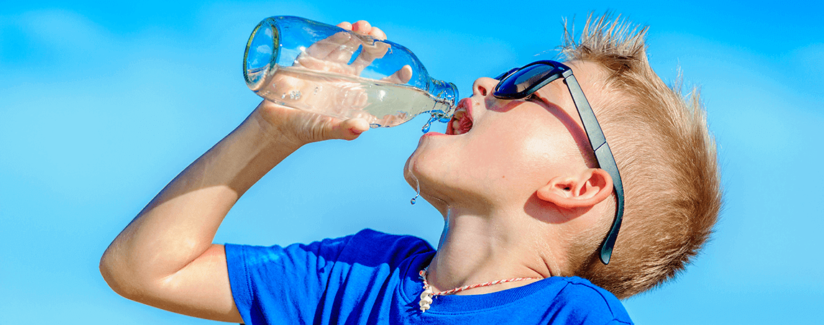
[584, 190]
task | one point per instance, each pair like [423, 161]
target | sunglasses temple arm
[603, 154]
[591, 126]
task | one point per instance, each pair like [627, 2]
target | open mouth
[461, 121]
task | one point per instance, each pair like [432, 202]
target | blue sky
[101, 104]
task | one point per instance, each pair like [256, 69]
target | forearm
[179, 224]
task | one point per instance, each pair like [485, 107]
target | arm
[165, 256]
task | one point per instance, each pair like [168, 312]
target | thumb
[402, 76]
[349, 129]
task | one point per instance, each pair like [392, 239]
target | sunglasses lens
[501, 76]
[521, 80]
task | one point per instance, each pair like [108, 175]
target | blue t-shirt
[372, 278]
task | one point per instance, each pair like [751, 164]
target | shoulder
[342, 269]
[366, 243]
[371, 244]
[372, 237]
[589, 299]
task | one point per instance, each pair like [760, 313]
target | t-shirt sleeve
[275, 284]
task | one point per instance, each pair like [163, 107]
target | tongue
[465, 124]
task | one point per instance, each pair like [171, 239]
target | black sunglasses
[521, 82]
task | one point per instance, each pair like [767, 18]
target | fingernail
[353, 130]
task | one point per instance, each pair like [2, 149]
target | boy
[529, 215]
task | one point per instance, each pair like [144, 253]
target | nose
[484, 86]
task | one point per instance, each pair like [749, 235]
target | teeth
[457, 117]
[459, 114]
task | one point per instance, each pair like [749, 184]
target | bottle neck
[446, 98]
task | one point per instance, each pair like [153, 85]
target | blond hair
[666, 157]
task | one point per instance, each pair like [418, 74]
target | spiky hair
[666, 156]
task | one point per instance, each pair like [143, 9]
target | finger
[350, 129]
[322, 48]
[311, 63]
[369, 53]
[343, 53]
[377, 33]
[286, 83]
[362, 27]
[402, 76]
[345, 25]
[393, 120]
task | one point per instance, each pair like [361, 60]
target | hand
[334, 53]
[329, 55]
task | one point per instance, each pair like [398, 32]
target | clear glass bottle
[325, 69]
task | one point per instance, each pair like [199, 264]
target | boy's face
[513, 148]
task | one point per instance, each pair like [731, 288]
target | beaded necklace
[428, 293]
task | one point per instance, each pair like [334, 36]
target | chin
[416, 176]
[407, 172]
[430, 170]
[420, 165]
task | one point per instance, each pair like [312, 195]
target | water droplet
[294, 94]
[428, 124]
[417, 189]
[410, 169]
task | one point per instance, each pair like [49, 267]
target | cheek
[506, 154]
[496, 149]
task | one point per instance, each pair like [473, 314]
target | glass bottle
[325, 69]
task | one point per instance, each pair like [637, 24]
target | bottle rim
[255, 73]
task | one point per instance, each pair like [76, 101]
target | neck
[476, 248]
